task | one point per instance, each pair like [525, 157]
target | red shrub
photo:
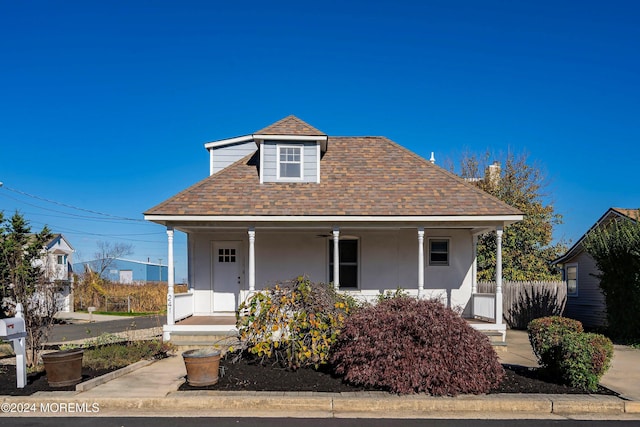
[409, 346]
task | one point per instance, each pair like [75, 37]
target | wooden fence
[525, 301]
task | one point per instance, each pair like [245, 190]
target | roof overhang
[476, 224]
[257, 138]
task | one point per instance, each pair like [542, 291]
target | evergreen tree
[22, 279]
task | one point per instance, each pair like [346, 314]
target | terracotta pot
[202, 366]
[64, 368]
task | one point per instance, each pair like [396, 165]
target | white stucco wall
[388, 259]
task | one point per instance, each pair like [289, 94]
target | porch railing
[484, 306]
[183, 305]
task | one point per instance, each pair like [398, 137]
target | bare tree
[107, 253]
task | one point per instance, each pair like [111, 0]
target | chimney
[432, 159]
[492, 174]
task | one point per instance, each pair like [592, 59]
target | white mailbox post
[13, 329]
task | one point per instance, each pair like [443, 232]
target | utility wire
[72, 207]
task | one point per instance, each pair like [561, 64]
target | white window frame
[60, 259]
[290, 178]
[566, 279]
[357, 263]
[439, 263]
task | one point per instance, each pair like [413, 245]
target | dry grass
[108, 296]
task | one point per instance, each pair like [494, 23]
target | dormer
[288, 151]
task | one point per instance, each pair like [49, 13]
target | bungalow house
[585, 301]
[362, 213]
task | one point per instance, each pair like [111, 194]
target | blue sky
[106, 105]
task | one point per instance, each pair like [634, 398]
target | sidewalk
[79, 317]
[152, 390]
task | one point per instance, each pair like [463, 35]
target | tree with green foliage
[615, 247]
[527, 246]
[22, 279]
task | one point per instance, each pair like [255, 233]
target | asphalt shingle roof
[359, 176]
[290, 125]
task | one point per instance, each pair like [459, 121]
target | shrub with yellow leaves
[294, 323]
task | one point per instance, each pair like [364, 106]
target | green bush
[545, 334]
[407, 346]
[583, 359]
[295, 323]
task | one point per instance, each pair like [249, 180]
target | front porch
[226, 263]
[190, 329]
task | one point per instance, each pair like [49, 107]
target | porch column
[474, 266]
[499, 275]
[420, 261]
[336, 258]
[252, 259]
[170, 270]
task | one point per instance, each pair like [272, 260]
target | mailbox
[12, 328]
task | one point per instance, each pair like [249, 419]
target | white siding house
[362, 213]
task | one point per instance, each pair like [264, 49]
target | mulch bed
[247, 375]
[37, 381]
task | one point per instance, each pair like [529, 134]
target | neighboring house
[362, 213]
[57, 265]
[126, 271]
[585, 301]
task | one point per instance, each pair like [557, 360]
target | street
[307, 422]
[78, 331]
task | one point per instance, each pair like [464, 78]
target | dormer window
[289, 162]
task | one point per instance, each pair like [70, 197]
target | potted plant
[64, 368]
[202, 366]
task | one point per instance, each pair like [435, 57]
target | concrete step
[197, 340]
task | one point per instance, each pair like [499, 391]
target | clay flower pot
[202, 366]
[64, 368]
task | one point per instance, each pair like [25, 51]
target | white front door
[227, 273]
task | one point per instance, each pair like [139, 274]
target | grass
[122, 354]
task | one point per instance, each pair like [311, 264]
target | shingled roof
[360, 176]
[290, 125]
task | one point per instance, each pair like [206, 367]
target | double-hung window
[571, 277]
[438, 251]
[289, 162]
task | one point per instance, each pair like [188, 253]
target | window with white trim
[289, 162]
[438, 251]
[60, 259]
[348, 263]
[571, 277]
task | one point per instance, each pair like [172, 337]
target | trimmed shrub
[584, 358]
[545, 334]
[406, 345]
[294, 323]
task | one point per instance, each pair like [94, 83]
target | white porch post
[252, 259]
[170, 270]
[474, 266]
[336, 258]
[499, 275]
[420, 261]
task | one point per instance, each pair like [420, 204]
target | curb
[356, 405]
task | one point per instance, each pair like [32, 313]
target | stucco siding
[588, 305]
[229, 154]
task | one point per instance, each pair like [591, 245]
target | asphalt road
[77, 331]
[290, 422]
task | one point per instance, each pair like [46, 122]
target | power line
[71, 206]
